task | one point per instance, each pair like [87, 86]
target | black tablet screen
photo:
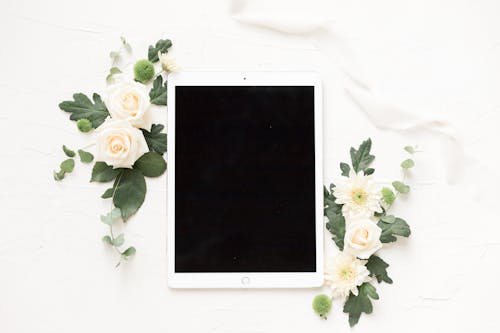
[244, 179]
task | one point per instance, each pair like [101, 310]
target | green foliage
[345, 168]
[329, 201]
[68, 165]
[107, 239]
[130, 192]
[129, 252]
[82, 108]
[361, 158]
[322, 305]
[156, 140]
[162, 46]
[356, 305]
[388, 196]
[68, 151]
[143, 70]
[401, 187]
[378, 269]
[103, 173]
[112, 217]
[151, 164]
[85, 157]
[369, 171]
[125, 44]
[119, 240]
[388, 218]
[108, 193]
[410, 149]
[112, 71]
[390, 230]
[158, 94]
[84, 125]
[408, 164]
[336, 226]
[59, 175]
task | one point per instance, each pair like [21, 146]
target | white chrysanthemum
[344, 273]
[167, 62]
[359, 195]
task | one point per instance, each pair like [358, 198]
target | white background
[434, 59]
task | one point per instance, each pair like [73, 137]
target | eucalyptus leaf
[130, 192]
[388, 196]
[85, 157]
[106, 239]
[410, 149]
[408, 164]
[119, 240]
[68, 165]
[59, 175]
[390, 230]
[401, 187]
[129, 252]
[101, 172]
[68, 151]
[112, 217]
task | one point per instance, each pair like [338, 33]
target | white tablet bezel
[237, 279]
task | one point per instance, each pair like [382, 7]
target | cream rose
[362, 238]
[119, 144]
[130, 101]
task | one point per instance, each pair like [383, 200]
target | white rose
[130, 101]
[119, 144]
[362, 238]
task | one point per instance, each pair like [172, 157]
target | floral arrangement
[360, 223]
[128, 145]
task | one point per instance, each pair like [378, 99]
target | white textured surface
[439, 60]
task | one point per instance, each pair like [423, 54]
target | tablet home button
[245, 280]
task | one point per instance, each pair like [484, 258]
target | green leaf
[68, 165]
[114, 55]
[151, 164]
[68, 151]
[401, 187]
[329, 202]
[112, 71]
[369, 171]
[162, 45]
[106, 239]
[103, 173]
[356, 305]
[345, 168]
[156, 140]
[59, 175]
[336, 226]
[408, 164]
[108, 193]
[390, 230]
[378, 269]
[130, 192]
[388, 218]
[388, 196]
[119, 240]
[85, 157]
[83, 108]
[158, 94]
[410, 149]
[112, 217]
[361, 158]
[125, 44]
[129, 252]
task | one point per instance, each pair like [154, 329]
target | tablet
[245, 198]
